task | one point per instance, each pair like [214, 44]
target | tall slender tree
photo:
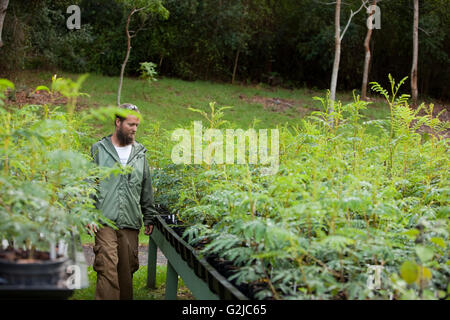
[146, 8]
[338, 36]
[3, 8]
[337, 50]
[368, 54]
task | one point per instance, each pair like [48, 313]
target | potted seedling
[47, 189]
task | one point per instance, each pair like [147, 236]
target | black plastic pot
[40, 280]
[38, 274]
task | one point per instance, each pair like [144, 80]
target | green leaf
[425, 274]
[424, 253]
[337, 242]
[4, 84]
[409, 271]
[412, 233]
[439, 241]
[44, 88]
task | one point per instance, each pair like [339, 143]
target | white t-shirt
[124, 153]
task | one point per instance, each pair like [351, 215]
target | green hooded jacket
[125, 199]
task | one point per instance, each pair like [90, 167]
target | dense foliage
[46, 181]
[349, 194]
[288, 42]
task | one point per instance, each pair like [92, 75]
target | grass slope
[167, 100]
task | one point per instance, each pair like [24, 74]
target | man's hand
[92, 226]
[148, 230]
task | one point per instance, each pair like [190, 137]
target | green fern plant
[214, 117]
[394, 103]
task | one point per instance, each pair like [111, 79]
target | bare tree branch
[367, 8]
[428, 33]
[352, 14]
[139, 29]
[129, 37]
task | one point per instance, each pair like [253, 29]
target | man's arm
[147, 203]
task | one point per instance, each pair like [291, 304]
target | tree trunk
[3, 7]
[235, 66]
[368, 55]
[122, 70]
[337, 53]
[414, 91]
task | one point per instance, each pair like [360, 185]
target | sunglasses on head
[129, 107]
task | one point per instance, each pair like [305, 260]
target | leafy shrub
[345, 198]
[46, 184]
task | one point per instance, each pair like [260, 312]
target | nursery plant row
[357, 210]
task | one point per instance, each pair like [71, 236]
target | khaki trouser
[116, 259]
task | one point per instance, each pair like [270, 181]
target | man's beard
[123, 138]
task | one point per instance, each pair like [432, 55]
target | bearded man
[124, 199]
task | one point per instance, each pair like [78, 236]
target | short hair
[127, 106]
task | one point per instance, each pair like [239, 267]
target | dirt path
[160, 258]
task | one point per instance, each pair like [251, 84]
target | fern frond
[400, 84]
[403, 99]
[376, 87]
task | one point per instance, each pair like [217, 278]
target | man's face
[126, 130]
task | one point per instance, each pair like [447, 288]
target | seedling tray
[202, 279]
